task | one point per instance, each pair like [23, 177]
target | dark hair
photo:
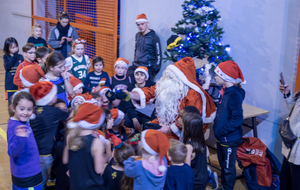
[7, 43]
[96, 60]
[63, 15]
[177, 151]
[53, 59]
[17, 99]
[107, 117]
[28, 46]
[193, 131]
[121, 154]
[42, 51]
[59, 100]
[95, 95]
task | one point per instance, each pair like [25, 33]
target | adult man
[147, 51]
[176, 89]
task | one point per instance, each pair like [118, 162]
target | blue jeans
[46, 164]
[38, 187]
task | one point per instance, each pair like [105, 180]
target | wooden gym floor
[5, 177]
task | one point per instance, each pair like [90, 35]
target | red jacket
[253, 151]
[17, 80]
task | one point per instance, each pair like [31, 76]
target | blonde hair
[177, 151]
[75, 140]
[34, 27]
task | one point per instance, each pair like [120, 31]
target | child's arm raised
[97, 151]
[65, 157]
[68, 85]
[17, 143]
[189, 154]
[130, 168]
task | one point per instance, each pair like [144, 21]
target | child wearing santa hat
[31, 74]
[84, 152]
[45, 124]
[229, 119]
[151, 171]
[118, 129]
[113, 173]
[120, 81]
[77, 86]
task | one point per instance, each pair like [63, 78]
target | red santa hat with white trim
[79, 96]
[143, 70]
[76, 83]
[117, 115]
[141, 18]
[230, 72]
[103, 90]
[31, 74]
[122, 61]
[89, 116]
[43, 92]
[156, 143]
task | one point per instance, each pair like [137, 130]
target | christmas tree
[201, 37]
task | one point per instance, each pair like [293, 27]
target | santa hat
[117, 115]
[78, 41]
[80, 96]
[184, 69]
[157, 144]
[115, 140]
[102, 81]
[89, 116]
[122, 61]
[141, 18]
[76, 83]
[103, 89]
[43, 92]
[143, 70]
[230, 72]
[31, 74]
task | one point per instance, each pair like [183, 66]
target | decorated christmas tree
[199, 36]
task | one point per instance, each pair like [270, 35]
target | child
[58, 75]
[61, 37]
[22, 148]
[113, 174]
[118, 129]
[98, 77]
[180, 175]
[229, 119]
[84, 152]
[41, 56]
[151, 171]
[36, 36]
[11, 61]
[29, 55]
[192, 126]
[77, 87]
[46, 123]
[78, 63]
[30, 75]
[120, 81]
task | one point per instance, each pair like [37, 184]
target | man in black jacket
[147, 51]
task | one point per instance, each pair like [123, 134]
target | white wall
[13, 25]
[263, 38]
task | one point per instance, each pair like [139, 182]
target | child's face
[13, 48]
[61, 106]
[37, 32]
[104, 99]
[64, 22]
[140, 77]
[98, 67]
[23, 110]
[78, 101]
[58, 69]
[219, 80]
[30, 54]
[42, 61]
[79, 50]
[120, 70]
[78, 91]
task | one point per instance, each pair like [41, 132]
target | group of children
[81, 129]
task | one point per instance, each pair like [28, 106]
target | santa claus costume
[176, 89]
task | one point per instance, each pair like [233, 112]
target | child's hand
[137, 124]
[21, 131]
[64, 74]
[165, 129]
[97, 89]
[284, 89]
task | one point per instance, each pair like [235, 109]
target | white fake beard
[170, 91]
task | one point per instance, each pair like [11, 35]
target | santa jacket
[227, 124]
